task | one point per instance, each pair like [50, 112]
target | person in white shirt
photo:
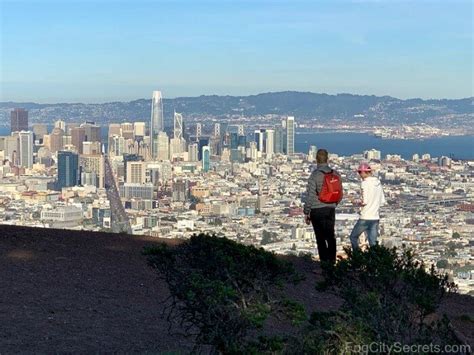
[372, 198]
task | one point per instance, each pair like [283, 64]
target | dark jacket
[315, 183]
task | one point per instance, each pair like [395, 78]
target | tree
[456, 235]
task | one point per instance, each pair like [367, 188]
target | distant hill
[304, 105]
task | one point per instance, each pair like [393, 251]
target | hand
[307, 219]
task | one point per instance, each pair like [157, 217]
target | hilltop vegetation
[232, 297]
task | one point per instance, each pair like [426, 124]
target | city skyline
[398, 48]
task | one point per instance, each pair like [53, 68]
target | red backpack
[331, 191]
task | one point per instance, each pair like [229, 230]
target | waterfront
[348, 143]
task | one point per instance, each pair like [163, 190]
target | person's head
[364, 170]
[321, 156]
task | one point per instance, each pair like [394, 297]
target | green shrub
[221, 291]
[392, 294]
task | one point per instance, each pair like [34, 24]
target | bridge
[120, 222]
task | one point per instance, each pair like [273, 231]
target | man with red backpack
[323, 194]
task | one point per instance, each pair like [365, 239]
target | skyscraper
[139, 129]
[193, 154]
[68, 169]
[78, 136]
[163, 147]
[270, 143]
[92, 132]
[39, 130]
[60, 124]
[18, 120]
[26, 149]
[157, 123]
[178, 126]
[206, 158]
[56, 140]
[259, 138]
[290, 135]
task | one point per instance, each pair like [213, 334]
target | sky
[101, 51]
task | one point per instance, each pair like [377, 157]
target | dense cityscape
[242, 180]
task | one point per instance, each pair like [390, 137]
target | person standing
[323, 193]
[372, 199]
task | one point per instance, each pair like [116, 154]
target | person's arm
[365, 193]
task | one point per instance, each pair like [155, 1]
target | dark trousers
[323, 220]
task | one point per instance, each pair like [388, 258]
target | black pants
[323, 220]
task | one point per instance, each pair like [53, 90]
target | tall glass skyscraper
[206, 158]
[68, 169]
[290, 135]
[157, 123]
[26, 149]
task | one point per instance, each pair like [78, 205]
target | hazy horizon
[98, 101]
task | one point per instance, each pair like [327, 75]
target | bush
[222, 291]
[391, 295]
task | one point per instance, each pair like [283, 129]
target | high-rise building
[61, 125]
[136, 172]
[56, 140]
[202, 141]
[139, 129]
[114, 129]
[240, 130]
[116, 145]
[127, 130]
[92, 132]
[93, 164]
[39, 131]
[157, 124]
[193, 152]
[280, 139]
[178, 126]
[78, 137]
[177, 146]
[179, 191]
[68, 169]
[11, 148]
[270, 143]
[18, 120]
[26, 149]
[163, 146]
[206, 158]
[372, 154]
[290, 135]
[70, 126]
[91, 148]
[259, 139]
[444, 161]
[313, 150]
[127, 159]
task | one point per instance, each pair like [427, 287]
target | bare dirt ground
[68, 291]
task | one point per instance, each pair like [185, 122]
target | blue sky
[98, 51]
